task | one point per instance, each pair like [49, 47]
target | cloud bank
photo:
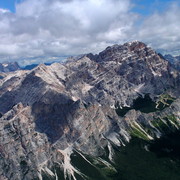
[50, 28]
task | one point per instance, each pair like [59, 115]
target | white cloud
[68, 27]
[162, 30]
[2, 11]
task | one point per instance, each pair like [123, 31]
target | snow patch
[106, 164]
[56, 176]
[84, 158]
[48, 171]
[150, 137]
[158, 133]
[138, 88]
[5, 65]
[74, 98]
[146, 148]
[113, 137]
[112, 106]
[110, 152]
[125, 134]
[69, 170]
[173, 124]
[45, 169]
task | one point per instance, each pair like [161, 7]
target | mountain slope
[85, 106]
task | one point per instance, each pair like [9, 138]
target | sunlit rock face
[51, 111]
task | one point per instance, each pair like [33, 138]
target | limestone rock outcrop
[50, 110]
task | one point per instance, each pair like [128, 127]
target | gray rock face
[50, 110]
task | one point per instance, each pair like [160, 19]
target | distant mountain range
[175, 52]
[9, 66]
[174, 60]
[14, 66]
[32, 66]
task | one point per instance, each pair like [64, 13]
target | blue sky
[31, 29]
[144, 7]
[8, 4]
[147, 7]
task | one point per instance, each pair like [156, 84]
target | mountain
[32, 66]
[14, 66]
[174, 60]
[85, 109]
[173, 52]
[9, 67]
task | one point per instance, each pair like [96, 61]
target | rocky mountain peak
[119, 53]
[87, 105]
[135, 45]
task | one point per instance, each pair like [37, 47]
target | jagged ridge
[51, 110]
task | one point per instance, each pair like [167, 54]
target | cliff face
[84, 105]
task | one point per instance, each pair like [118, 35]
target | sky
[36, 31]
